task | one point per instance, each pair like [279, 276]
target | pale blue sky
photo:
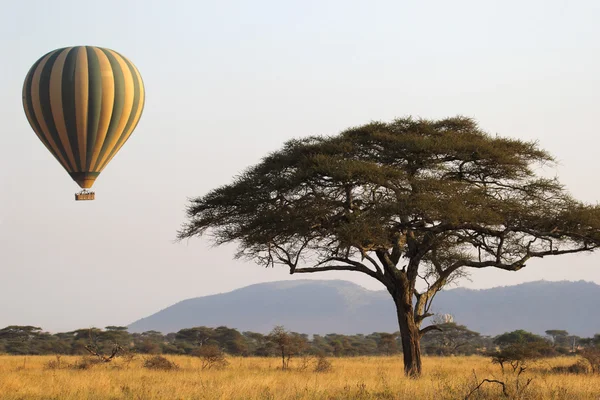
[229, 81]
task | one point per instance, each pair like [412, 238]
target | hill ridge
[339, 306]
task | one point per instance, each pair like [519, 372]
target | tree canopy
[433, 189]
[401, 202]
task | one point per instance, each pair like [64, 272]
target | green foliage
[367, 187]
[258, 344]
[287, 344]
[18, 332]
[452, 339]
[519, 347]
[388, 343]
[560, 337]
[17, 339]
[518, 337]
[557, 333]
[231, 340]
[198, 335]
[402, 201]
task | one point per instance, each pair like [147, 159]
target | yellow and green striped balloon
[83, 103]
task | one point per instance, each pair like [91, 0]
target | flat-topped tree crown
[400, 201]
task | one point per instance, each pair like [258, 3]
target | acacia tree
[410, 203]
[387, 343]
[451, 339]
[560, 337]
[286, 344]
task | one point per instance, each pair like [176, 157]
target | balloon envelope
[83, 103]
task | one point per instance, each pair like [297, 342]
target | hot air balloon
[83, 103]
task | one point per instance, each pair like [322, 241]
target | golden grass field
[261, 378]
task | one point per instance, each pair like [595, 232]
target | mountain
[334, 306]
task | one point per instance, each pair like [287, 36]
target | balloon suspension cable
[85, 195]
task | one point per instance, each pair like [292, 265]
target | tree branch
[334, 268]
[300, 251]
[517, 265]
[488, 381]
[541, 254]
[371, 260]
[354, 266]
[116, 349]
[397, 248]
[430, 328]
[387, 263]
[520, 263]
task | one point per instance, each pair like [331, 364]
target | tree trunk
[410, 336]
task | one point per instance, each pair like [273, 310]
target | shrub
[212, 357]
[159, 363]
[86, 362]
[305, 362]
[518, 354]
[323, 364]
[592, 355]
[580, 367]
[53, 364]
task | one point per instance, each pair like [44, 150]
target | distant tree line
[451, 339]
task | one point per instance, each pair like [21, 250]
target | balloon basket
[85, 195]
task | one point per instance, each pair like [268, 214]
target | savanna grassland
[39, 377]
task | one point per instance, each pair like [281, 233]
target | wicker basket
[85, 196]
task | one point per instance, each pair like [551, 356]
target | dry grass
[260, 378]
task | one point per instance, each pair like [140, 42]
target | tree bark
[409, 334]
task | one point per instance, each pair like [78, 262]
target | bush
[86, 362]
[518, 354]
[580, 367]
[54, 364]
[212, 357]
[305, 362]
[160, 363]
[592, 355]
[323, 364]
[563, 351]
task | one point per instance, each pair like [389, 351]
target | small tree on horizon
[560, 337]
[282, 341]
[406, 202]
[452, 338]
[287, 344]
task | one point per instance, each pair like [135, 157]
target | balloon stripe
[112, 134]
[136, 112]
[56, 94]
[58, 89]
[46, 106]
[30, 113]
[38, 111]
[81, 89]
[68, 104]
[94, 108]
[108, 99]
[138, 98]
[128, 95]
